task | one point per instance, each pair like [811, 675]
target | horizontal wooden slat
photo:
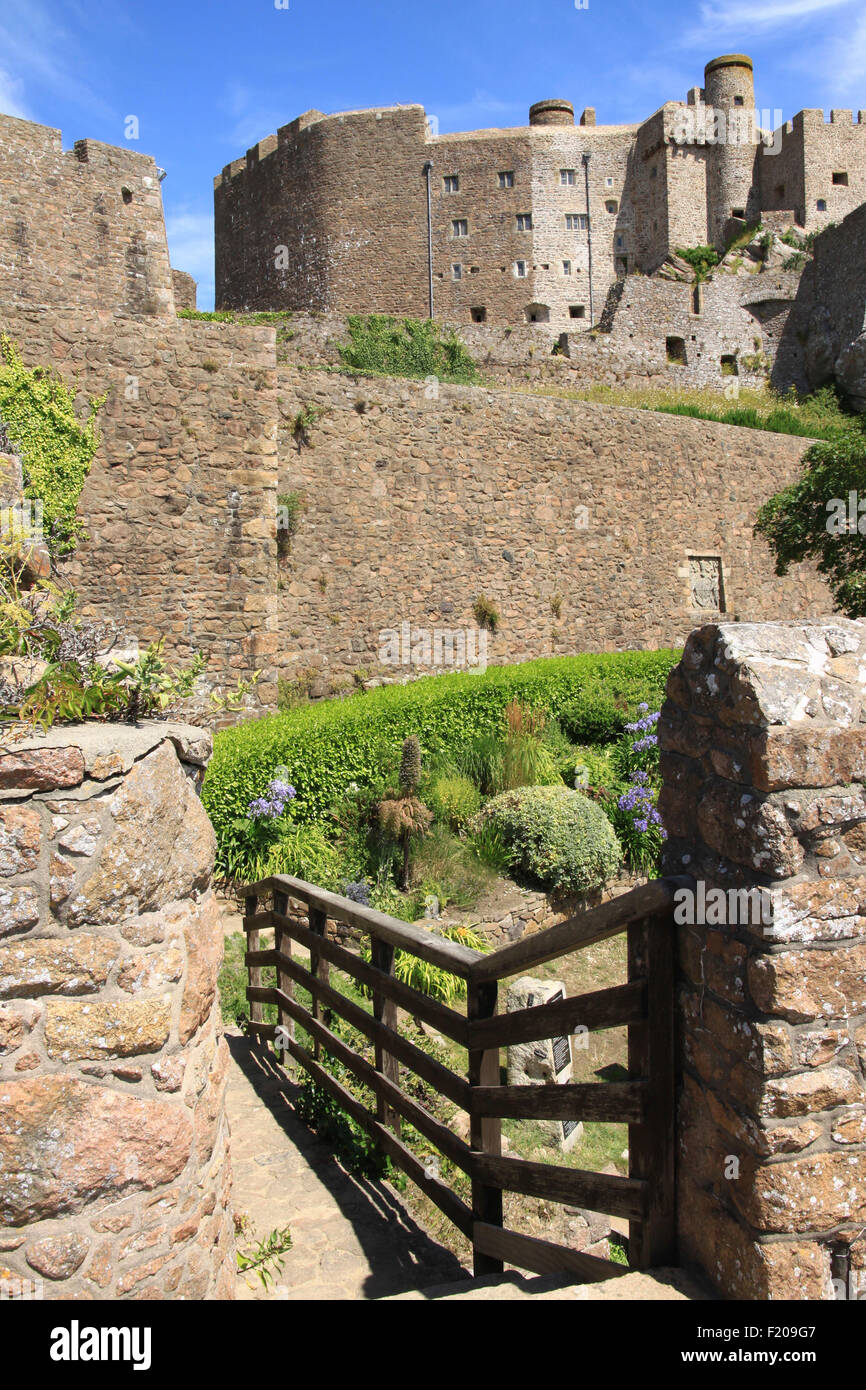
[439, 1077]
[439, 1016]
[577, 932]
[617, 1102]
[575, 1186]
[439, 1134]
[406, 936]
[605, 1008]
[457, 1212]
[542, 1256]
[268, 1031]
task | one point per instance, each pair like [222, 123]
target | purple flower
[281, 791]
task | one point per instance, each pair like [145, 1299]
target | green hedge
[329, 745]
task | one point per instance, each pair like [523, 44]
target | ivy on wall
[38, 411]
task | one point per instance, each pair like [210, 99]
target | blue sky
[207, 78]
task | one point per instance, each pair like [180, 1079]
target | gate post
[763, 754]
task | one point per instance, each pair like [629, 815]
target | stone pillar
[763, 743]
[114, 1170]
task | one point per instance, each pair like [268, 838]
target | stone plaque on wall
[546, 1060]
[705, 583]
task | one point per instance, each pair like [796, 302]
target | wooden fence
[645, 1102]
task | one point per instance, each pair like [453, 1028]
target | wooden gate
[300, 913]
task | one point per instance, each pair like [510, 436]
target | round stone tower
[555, 111]
[732, 191]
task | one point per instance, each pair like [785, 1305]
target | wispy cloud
[11, 97]
[45, 56]
[470, 115]
[746, 17]
[190, 244]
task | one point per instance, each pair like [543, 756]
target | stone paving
[352, 1237]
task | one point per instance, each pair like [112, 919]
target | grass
[818, 416]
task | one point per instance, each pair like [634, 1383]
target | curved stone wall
[114, 1167]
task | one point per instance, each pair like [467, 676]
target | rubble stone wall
[763, 756]
[114, 1162]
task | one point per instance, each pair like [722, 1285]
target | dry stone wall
[763, 757]
[114, 1165]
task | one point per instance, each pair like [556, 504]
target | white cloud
[746, 16]
[43, 53]
[11, 93]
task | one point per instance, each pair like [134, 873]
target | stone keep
[546, 1061]
[114, 1168]
[763, 756]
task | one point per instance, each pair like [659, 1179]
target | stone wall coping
[130, 741]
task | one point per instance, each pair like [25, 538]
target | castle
[371, 211]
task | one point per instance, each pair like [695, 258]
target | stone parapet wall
[114, 1164]
[763, 755]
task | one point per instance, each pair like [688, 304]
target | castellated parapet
[330, 214]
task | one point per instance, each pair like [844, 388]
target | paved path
[352, 1237]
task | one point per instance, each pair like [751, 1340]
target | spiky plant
[401, 818]
[410, 766]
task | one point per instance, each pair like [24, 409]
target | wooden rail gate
[645, 1004]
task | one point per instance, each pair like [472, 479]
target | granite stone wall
[590, 527]
[763, 758]
[114, 1163]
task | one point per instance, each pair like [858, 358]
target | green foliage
[795, 262]
[454, 799]
[702, 259]
[820, 416]
[290, 506]
[302, 424]
[265, 1258]
[490, 846]
[233, 984]
[486, 613]
[349, 1142]
[38, 410]
[429, 979]
[800, 523]
[557, 837]
[444, 866]
[406, 347]
[327, 746]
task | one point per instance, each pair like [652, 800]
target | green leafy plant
[557, 837]
[406, 347]
[265, 1258]
[38, 410]
[429, 979]
[809, 520]
[303, 423]
[454, 799]
[290, 506]
[702, 259]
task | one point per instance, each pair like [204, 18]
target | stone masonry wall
[114, 1165]
[417, 500]
[763, 748]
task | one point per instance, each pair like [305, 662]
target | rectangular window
[608, 183]
[577, 311]
[479, 314]
[456, 272]
[841, 179]
[567, 178]
[506, 179]
[575, 221]
[654, 172]
[566, 267]
[611, 205]
[524, 221]
[459, 227]
[620, 243]
[520, 269]
[452, 183]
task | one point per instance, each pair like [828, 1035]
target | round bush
[454, 800]
[556, 836]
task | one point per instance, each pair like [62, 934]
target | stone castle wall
[179, 504]
[418, 499]
[763, 755]
[114, 1165]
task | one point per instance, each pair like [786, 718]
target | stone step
[656, 1285]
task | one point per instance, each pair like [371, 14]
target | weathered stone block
[122, 1028]
[805, 985]
[20, 834]
[77, 965]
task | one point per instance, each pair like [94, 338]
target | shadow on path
[353, 1238]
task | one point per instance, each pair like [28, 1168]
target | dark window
[841, 179]
[676, 350]
[524, 221]
[126, 194]
[698, 299]
[577, 311]
[452, 183]
[459, 227]
[738, 212]
[822, 204]
[729, 365]
[739, 101]
[479, 315]
[780, 190]
[506, 179]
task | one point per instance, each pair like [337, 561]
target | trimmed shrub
[323, 748]
[557, 837]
